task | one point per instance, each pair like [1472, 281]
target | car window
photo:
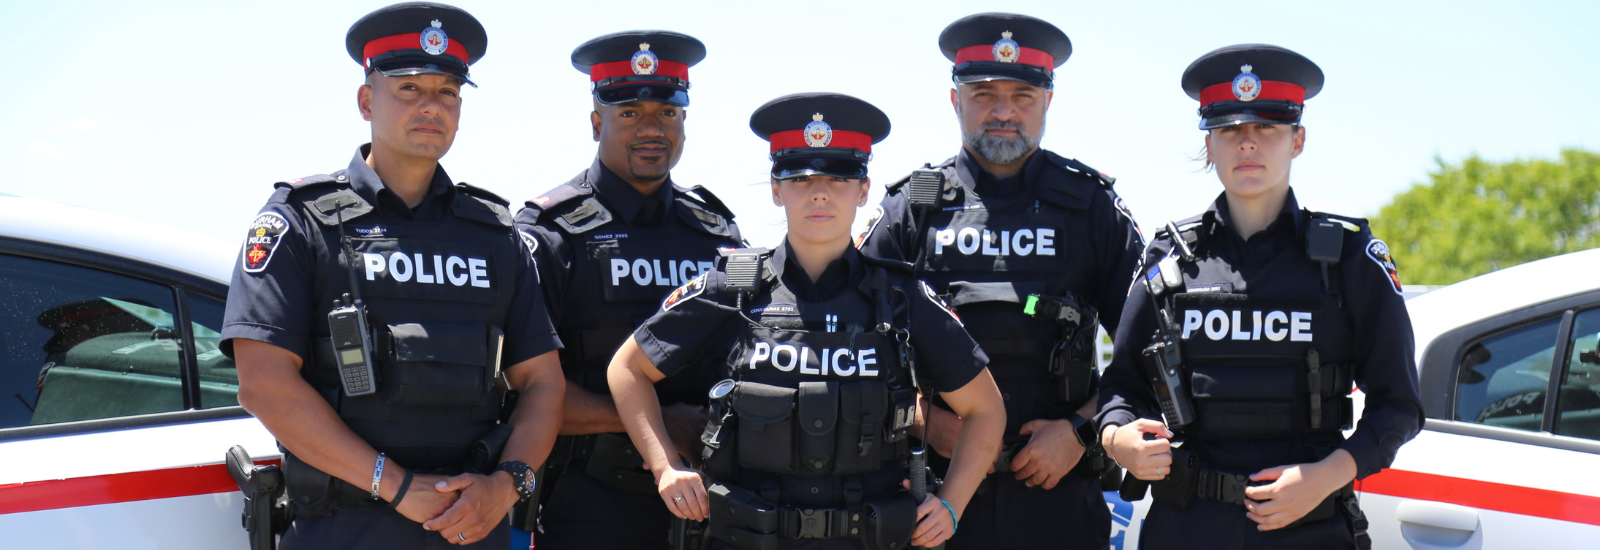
[1503, 378]
[1578, 409]
[83, 344]
[219, 379]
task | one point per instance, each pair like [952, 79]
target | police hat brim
[1234, 113]
[644, 91]
[975, 72]
[413, 65]
[800, 167]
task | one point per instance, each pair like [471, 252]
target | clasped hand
[463, 509]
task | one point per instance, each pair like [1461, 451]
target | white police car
[1497, 465]
[115, 404]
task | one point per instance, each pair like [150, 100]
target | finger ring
[677, 499]
[1159, 469]
[462, 536]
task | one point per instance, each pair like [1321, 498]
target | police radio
[347, 325]
[1163, 364]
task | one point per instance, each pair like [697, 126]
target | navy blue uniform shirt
[1385, 364]
[705, 326]
[275, 305]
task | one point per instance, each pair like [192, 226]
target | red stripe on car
[53, 494]
[1499, 497]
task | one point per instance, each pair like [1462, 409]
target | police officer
[822, 350]
[1261, 314]
[377, 311]
[1030, 247]
[611, 244]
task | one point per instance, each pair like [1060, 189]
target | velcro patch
[685, 292]
[265, 233]
[934, 297]
[1379, 252]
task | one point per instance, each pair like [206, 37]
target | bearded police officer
[822, 350]
[378, 312]
[1030, 248]
[611, 244]
[1245, 332]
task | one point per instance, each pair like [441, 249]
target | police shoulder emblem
[872, 223]
[688, 290]
[265, 233]
[818, 133]
[1247, 85]
[434, 40]
[645, 62]
[529, 241]
[1006, 50]
[937, 301]
[1378, 251]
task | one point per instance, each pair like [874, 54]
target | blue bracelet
[952, 516]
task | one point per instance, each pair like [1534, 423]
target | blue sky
[185, 112]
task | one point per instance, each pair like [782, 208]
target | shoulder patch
[266, 232]
[688, 290]
[1378, 251]
[937, 301]
[1122, 208]
[872, 223]
[529, 241]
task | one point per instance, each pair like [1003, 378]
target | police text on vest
[839, 362]
[1231, 325]
[649, 272]
[973, 240]
[403, 267]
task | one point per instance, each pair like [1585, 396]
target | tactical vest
[436, 294]
[620, 274]
[1273, 363]
[987, 256]
[822, 398]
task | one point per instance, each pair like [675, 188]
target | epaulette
[562, 193]
[897, 267]
[704, 196]
[706, 212]
[902, 181]
[308, 181]
[586, 216]
[328, 197]
[1072, 165]
[1190, 228]
[1354, 224]
[479, 205]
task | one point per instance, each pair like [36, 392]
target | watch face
[1085, 432]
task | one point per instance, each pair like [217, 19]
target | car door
[1508, 456]
[115, 405]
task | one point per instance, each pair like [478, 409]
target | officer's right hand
[684, 423]
[422, 502]
[685, 493]
[1146, 459]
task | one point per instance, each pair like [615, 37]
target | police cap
[1004, 46]
[413, 38]
[639, 65]
[820, 133]
[1251, 84]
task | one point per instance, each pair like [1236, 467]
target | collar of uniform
[835, 277]
[986, 185]
[1290, 218]
[624, 200]
[369, 186]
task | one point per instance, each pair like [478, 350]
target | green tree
[1479, 216]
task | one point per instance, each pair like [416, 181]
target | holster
[486, 451]
[687, 534]
[615, 462]
[1073, 372]
[266, 513]
[744, 520]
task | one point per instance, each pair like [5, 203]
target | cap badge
[818, 133]
[1006, 50]
[644, 62]
[1247, 85]
[434, 40]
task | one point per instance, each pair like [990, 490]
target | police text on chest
[650, 272]
[1238, 325]
[428, 269]
[831, 362]
[988, 242]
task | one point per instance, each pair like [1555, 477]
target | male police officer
[611, 244]
[1027, 246]
[374, 307]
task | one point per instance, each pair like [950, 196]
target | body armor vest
[620, 274]
[986, 256]
[436, 294]
[1265, 361]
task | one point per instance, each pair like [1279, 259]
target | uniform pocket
[863, 406]
[445, 365]
[817, 405]
[766, 427]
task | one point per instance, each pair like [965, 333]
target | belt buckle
[1230, 487]
[814, 523]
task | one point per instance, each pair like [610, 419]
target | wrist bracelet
[953, 517]
[1111, 446]
[400, 494]
[377, 475]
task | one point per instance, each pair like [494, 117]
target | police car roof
[1502, 291]
[50, 222]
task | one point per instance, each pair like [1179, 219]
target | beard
[1000, 149]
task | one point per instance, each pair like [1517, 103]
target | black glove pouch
[1178, 487]
[311, 490]
[863, 408]
[891, 519]
[616, 463]
[485, 455]
[742, 519]
[766, 427]
[817, 404]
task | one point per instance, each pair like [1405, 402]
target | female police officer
[824, 350]
[1246, 328]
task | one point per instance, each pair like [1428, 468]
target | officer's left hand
[1050, 453]
[1298, 489]
[484, 503]
[934, 522]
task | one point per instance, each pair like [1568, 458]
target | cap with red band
[1251, 84]
[417, 38]
[1004, 46]
[819, 133]
[639, 65]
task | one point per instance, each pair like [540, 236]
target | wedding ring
[677, 499]
[462, 536]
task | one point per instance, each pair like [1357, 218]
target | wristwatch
[1083, 428]
[521, 477]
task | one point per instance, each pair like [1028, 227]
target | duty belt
[1226, 487]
